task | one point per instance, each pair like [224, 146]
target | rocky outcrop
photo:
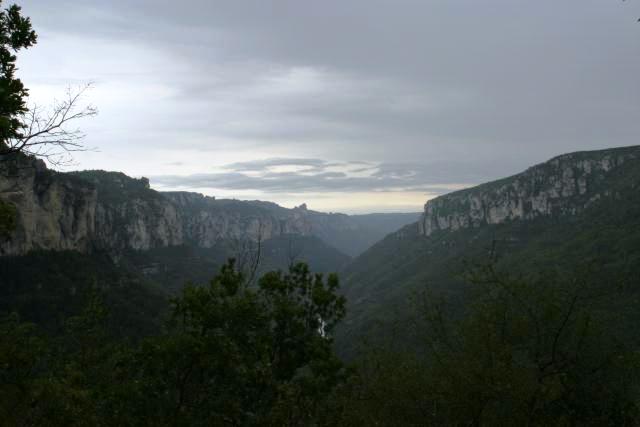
[138, 224]
[52, 213]
[109, 211]
[564, 185]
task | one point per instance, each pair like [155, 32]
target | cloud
[316, 175]
[428, 92]
[264, 164]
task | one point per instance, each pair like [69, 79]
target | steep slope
[47, 287]
[562, 214]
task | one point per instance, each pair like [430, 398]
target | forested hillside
[598, 226]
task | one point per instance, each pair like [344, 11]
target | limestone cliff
[564, 185]
[110, 211]
[98, 210]
[53, 213]
[207, 220]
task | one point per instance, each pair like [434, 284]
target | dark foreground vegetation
[550, 350]
[231, 354]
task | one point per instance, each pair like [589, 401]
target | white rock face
[58, 211]
[137, 224]
[52, 213]
[562, 186]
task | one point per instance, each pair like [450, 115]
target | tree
[536, 351]
[242, 354]
[21, 354]
[15, 34]
[638, 18]
[43, 132]
[234, 354]
[7, 219]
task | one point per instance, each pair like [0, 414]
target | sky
[349, 106]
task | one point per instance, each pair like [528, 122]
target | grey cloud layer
[493, 86]
[315, 175]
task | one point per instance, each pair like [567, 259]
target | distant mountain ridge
[109, 211]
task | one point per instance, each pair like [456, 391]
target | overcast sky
[351, 105]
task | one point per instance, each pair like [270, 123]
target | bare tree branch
[47, 133]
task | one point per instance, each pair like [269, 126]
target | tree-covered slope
[48, 287]
[604, 235]
[172, 267]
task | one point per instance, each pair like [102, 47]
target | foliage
[8, 217]
[170, 267]
[15, 34]
[22, 352]
[233, 354]
[48, 287]
[242, 356]
[525, 352]
[117, 188]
